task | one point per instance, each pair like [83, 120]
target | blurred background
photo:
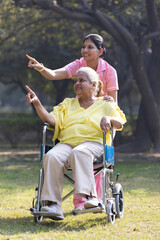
[52, 32]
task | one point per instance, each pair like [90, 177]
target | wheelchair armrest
[49, 127]
[45, 124]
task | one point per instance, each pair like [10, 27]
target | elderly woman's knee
[75, 152]
[50, 157]
[78, 154]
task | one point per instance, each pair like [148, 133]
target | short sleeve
[108, 75]
[58, 113]
[112, 83]
[72, 68]
[110, 80]
[118, 113]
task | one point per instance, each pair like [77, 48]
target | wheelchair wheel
[111, 212]
[37, 219]
[119, 201]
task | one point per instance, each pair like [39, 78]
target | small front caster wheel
[111, 212]
[37, 219]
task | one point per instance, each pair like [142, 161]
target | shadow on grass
[14, 226]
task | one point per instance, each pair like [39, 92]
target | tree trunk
[142, 141]
[153, 74]
[61, 87]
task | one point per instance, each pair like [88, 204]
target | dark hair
[98, 41]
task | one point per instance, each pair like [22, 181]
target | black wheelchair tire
[119, 200]
[38, 219]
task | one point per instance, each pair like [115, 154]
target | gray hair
[92, 77]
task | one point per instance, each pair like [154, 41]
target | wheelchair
[112, 193]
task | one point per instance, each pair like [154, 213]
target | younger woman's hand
[33, 63]
[108, 98]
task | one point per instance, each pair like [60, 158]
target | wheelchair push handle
[108, 151]
[112, 136]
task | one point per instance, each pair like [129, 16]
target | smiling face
[90, 52]
[82, 85]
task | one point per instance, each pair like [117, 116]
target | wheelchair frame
[112, 193]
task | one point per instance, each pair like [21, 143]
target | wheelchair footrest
[44, 214]
[98, 209]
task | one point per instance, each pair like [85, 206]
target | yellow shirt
[74, 124]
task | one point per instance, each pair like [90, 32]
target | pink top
[106, 72]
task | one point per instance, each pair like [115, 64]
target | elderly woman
[78, 123]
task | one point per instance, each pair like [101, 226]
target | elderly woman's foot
[55, 209]
[91, 202]
[77, 209]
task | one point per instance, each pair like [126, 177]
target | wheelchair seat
[98, 162]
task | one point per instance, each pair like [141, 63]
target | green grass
[140, 177]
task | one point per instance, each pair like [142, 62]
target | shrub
[14, 127]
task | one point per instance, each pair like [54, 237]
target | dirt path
[151, 157]
[18, 152]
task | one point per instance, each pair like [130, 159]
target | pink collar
[102, 65]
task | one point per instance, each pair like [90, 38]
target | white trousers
[80, 159]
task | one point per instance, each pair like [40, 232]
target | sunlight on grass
[19, 177]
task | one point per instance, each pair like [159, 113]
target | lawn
[139, 175]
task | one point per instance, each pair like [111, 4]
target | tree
[37, 33]
[139, 42]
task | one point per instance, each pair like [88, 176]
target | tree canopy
[132, 34]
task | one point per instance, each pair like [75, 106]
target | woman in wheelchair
[78, 123]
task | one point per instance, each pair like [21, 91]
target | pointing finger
[30, 58]
[33, 60]
[29, 90]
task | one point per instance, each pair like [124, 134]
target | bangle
[42, 69]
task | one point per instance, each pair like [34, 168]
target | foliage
[50, 39]
[13, 128]
[132, 32]
[53, 41]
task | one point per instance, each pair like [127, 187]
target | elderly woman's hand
[105, 123]
[31, 96]
[33, 63]
[108, 98]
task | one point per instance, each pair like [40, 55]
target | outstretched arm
[57, 74]
[108, 122]
[41, 111]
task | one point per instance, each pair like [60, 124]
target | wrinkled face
[82, 85]
[89, 51]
